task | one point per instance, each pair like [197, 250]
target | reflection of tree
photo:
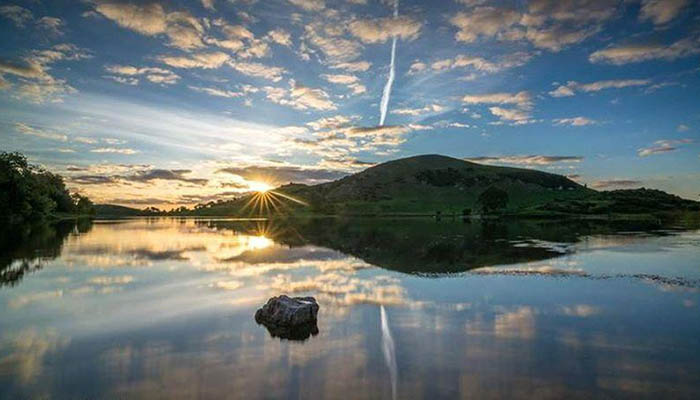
[25, 248]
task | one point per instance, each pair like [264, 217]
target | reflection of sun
[258, 242]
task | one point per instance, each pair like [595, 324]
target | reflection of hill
[25, 248]
[428, 246]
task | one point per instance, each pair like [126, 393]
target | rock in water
[284, 314]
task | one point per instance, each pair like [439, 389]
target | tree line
[30, 192]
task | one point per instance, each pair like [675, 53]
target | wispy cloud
[616, 183]
[663, 146]
[526, 159]
[574, 121]
[571, 87]
[632, 53]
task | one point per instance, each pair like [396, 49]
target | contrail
[389, 351]
[384, 105]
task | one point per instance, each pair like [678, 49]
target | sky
[169, 103]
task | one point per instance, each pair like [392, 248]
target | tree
[493, 200]
[83, 205]
[29, 192]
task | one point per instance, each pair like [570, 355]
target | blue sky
[176, 102]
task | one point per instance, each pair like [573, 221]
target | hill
[432, 184]
[113, 210]
[416, 185]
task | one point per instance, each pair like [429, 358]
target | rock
[284, 314]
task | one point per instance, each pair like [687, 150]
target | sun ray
[289, 198]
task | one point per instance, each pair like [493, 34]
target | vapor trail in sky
[384, 105]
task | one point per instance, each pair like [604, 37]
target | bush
[493, 200]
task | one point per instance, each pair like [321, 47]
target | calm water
[163, 308]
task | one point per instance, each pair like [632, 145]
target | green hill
[431, 184]
[415, 185]
[113, 210]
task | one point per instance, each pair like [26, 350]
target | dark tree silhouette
[493, 200]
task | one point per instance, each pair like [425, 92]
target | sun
[260, 187]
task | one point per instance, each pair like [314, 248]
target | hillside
[113, 210]
[430, 184]
[416, 185]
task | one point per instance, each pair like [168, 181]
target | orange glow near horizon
[260, 187]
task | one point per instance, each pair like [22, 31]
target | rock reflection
[297, 333]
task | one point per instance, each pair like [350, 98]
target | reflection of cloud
[528, 270]
[580, 310]
[227, 285]
[340, 289]
[515, 324]
[111, 280]
[25, 352]
[23, 300]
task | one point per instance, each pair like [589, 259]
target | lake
[410, 308]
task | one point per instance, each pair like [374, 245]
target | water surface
[412, 308]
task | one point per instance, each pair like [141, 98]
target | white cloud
[547, 24]
[152, 74]
[351, 81]
[631, 53]
[52, 25]
[258, 70]
[309, 5]
[483, 22]
[216, 92]
[300, 97]
[571, 87]
[208, 4]
[114, 150]
[124, 80]
[521, 99]
[197, 60]
[35, 84]
[429, 109]
[336, 49]
[382, 29]
[18, 15]
[663, 146]
[575, 121]
[280, 37]
[417, 67]
[516, 116]
[357, 66]
[182, 29]
[332, 123]
[526, 160]
[661, 11]
[42, 133]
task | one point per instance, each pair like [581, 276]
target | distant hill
[113, 210]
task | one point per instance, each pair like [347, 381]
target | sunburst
[268, 201]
